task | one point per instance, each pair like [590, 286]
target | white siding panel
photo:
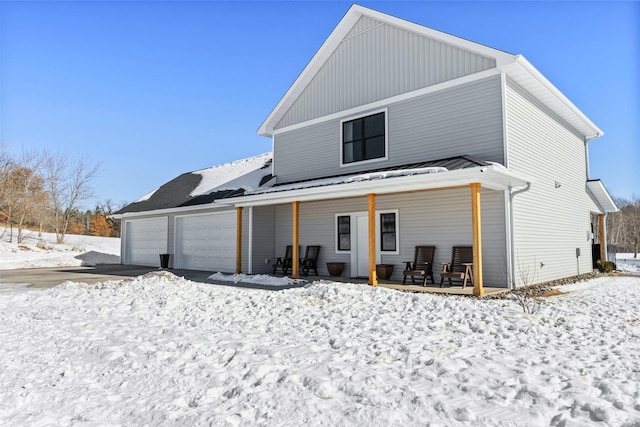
[550, 222]
[376, 61]
[466, 119]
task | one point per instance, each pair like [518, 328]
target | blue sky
[156, 89]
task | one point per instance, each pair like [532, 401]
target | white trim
[523, 72]
[178, 211]
[494, 177]
[508, 219]
[379, 231]
[505, 128]
[386, 138]
[387, 101]
[473, 47]
[602, 196]
[335, 233]
[353, 217]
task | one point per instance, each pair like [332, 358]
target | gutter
[511, 271]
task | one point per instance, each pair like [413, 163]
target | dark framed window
[344, 233]
[388, 232]
[363, 138]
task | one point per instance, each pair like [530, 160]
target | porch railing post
[295, 262]
[373, 279]
[476, 231]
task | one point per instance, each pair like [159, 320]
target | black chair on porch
[310, 260]
[285, 263]
[422, 265]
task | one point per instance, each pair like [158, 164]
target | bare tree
[522, 293]
[28, 189]
[624, 226]
[634, 225]
[68, 183]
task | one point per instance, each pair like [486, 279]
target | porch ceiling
[494, 177]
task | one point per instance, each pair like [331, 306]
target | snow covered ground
[627, 263]
[160, 350]
[41, 251]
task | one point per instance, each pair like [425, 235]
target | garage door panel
[206, 242]
[145, 240]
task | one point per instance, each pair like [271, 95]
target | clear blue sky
[156, 89]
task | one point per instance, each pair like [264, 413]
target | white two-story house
[396, 135]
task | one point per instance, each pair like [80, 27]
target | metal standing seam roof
[450, 163]
[176, 193]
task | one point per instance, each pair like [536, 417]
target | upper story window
[364, 138]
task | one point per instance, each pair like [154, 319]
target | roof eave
[602, 196]
[494, 177]
[568, 110]
[166, 211]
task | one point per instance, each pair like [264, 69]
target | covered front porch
[444, 209]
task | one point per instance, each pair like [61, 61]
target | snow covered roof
[206, 185]
[411, 169]
[415, 177]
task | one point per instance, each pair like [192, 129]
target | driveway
[49, 277]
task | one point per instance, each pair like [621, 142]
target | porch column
[476, 230]
[373, 279]
[295, 267]
[239, 240]
[601, 238]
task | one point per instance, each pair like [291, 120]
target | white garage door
[145, 240]
[206, 242]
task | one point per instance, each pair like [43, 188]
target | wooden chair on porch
[285, 263]
[422, 265]
[310, 260]
[461, 266]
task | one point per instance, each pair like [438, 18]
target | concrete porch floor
[434, 289]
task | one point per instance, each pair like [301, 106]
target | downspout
[513, 251]
[606, 249]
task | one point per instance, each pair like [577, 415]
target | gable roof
[205, 186]
[515, 66]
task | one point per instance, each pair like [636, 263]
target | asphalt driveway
[49, 277]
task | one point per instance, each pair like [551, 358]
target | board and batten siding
[552, 219]
[376, 61]
[440, 218]
[463, 120]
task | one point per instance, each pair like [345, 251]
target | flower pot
[335, 268]
[384, 271]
